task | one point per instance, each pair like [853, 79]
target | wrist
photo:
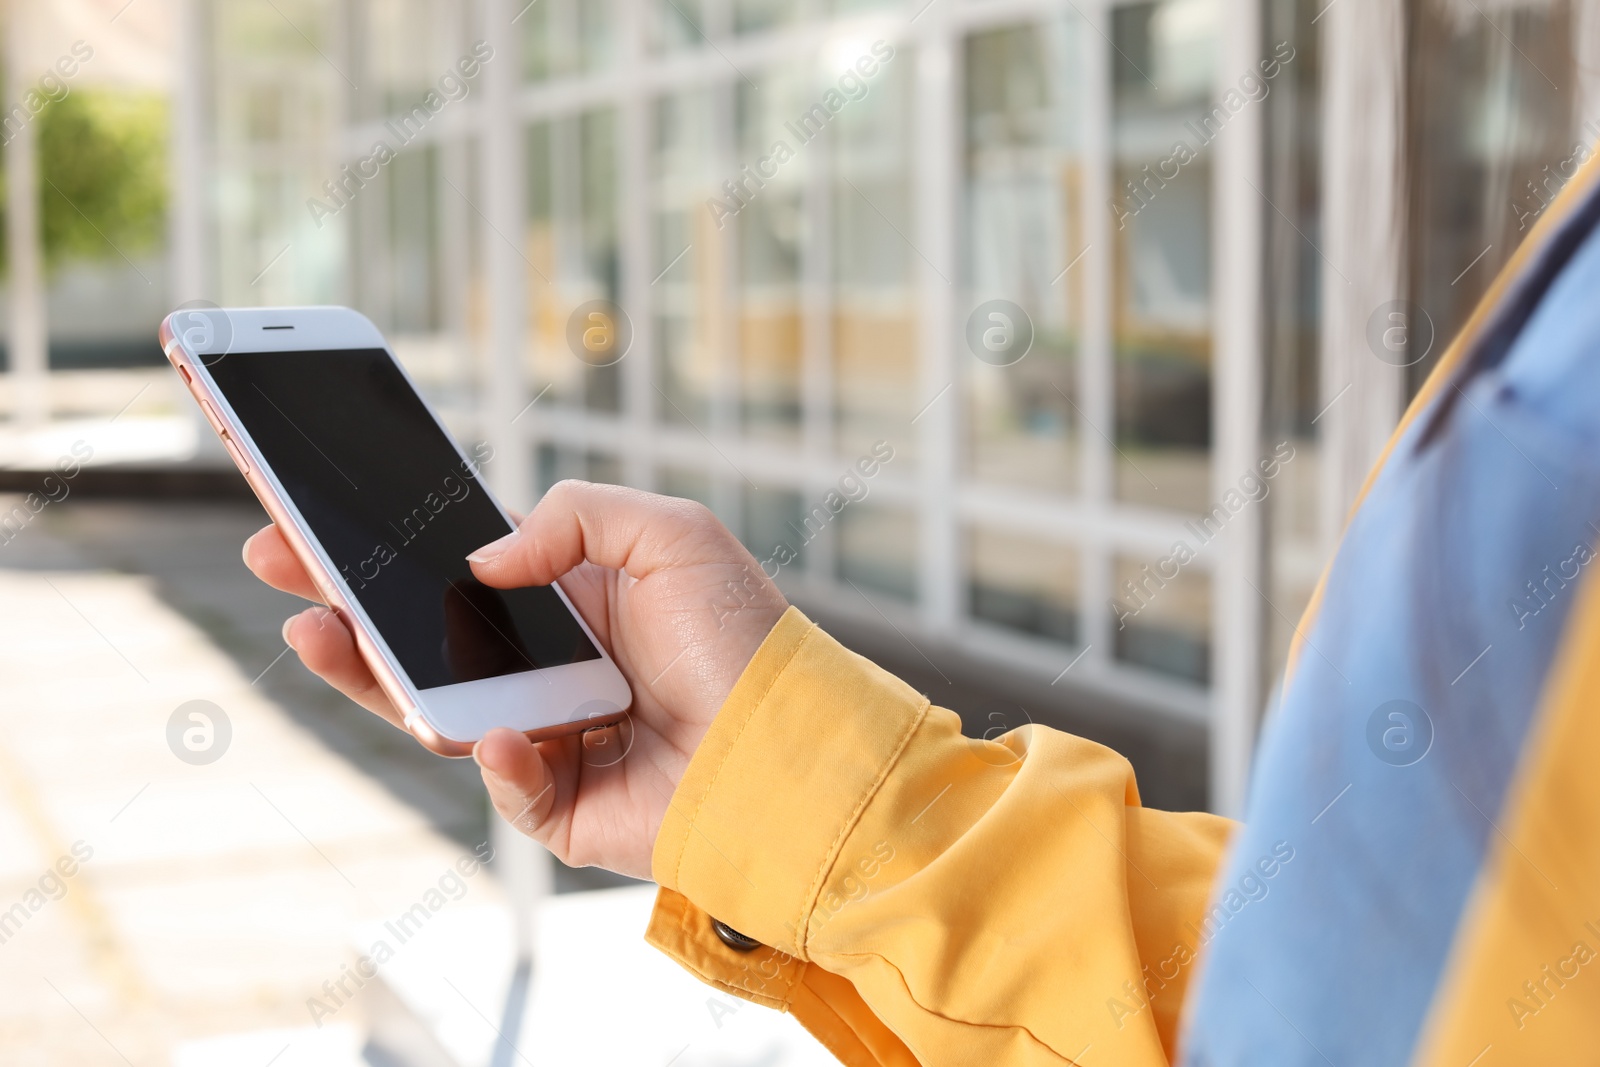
[804, 739]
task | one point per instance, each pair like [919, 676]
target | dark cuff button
[733, 938]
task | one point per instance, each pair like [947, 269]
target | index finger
[271, 559]
[608, 525]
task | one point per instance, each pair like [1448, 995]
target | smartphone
[382, 505]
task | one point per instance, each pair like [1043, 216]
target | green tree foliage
[102, 175]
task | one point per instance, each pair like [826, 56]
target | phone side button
[238, 456]
[211, 417]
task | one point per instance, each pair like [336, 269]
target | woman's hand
[677, 601]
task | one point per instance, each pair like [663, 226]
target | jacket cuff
[802, 743]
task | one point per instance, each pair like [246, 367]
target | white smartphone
[382, 506]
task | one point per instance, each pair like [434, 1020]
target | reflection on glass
[771, 519]
[1162, 125]
[689, 268]
[566, 37]
[572, 251]
[877, 549]
[1494, 142]
[769, 225]
[1161, 618]
[874, 268]
[1023, 583]
[1023, 228]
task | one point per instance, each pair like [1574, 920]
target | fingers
[328, 650]
[520, 783]
[269, 557]
[324, 644]
[609, 525]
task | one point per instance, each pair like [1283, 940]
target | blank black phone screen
[397, 509]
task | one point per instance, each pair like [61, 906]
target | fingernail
[244, 552]
[477, 757]
[287, 623]
[494, 549]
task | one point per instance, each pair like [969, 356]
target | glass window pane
[409, 46]
[874, 265]
[772, 529]
[593, 271]
[566, 37]
[877, 549]
[537, 55]
[769, 227]
[551, 465]
[689, 268]
[557, 375]
[414, 256]
[1023, 229]
[684, 482]
[850, 7]
[678, 24]
[557, 462]
[572, 252]
[1161, 315]
[271, 116]
[1023, 583]
[605, 467]
[1293, 162]
[754, 16]
[1163, 623]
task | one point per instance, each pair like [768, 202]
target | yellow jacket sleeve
[920, 897]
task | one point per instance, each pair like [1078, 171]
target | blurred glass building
[729, 249]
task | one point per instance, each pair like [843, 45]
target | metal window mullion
[566, 203]
[455, 251]
[193, 204]
[28, 325]
[818, 373]
[1363, 244]
[1096, 380]
[1236, 365]
[343, 105]
[637, 241]
[450, 226]
[374, 208]
[727, 381]
[188, 215]
[505, 270]
[1586, 81]
[527, 870]
[940, 570]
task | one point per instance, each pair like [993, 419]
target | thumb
[521, 784]
[607, 525]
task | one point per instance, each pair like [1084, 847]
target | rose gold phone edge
[387, 676]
